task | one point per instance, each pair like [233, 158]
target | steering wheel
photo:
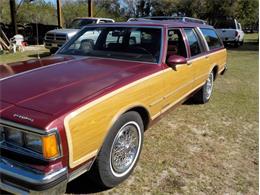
[141, 49]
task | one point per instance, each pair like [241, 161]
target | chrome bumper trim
[20, 173]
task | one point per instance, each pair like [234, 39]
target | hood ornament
[23, 117]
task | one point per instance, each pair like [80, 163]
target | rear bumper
[19, 179]
[230, 41]
[236, 40]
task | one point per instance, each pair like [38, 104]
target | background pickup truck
[86, 108]
[54, 39]
[230, 32]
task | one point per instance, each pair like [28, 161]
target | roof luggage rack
[176, 18]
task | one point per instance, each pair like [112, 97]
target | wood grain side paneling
[87, 127]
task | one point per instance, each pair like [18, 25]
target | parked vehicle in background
[54, 39]
[230, 31]
[86, 107]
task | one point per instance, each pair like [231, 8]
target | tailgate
[227, 34]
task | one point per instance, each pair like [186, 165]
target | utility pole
[59, 14]
[13, 16]
[90, 8]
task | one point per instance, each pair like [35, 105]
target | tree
[5, 12]
[38, 11]
[246, 11]
[164, 7]
[130, 9]
[73, 9]
[108, 9]
[42, 11]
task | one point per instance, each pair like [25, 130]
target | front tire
[120, 151]
[204, 94]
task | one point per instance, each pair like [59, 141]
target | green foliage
[5, 12]
[247, 12]
[38, 11]
[73, 9]
[108, 9]
[164, 7]
[42, 11]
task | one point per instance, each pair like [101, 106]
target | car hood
[64, 31]
[61, 87]
[10, 69]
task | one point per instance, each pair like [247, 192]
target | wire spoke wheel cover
[125, 149]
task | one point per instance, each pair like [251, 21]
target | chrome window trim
[34, 131]
[202, 37]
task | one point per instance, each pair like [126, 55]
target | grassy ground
[200, 149]
[31, 54]
[251, 37]
[203, 149]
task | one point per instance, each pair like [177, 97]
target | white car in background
[54, 39]
[230, 32]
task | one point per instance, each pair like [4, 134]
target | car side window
[114, 37]
[212, 38]
[109, 21]
[176, 45]
[194, 43]
[105, 21]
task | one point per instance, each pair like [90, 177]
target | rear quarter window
[194, 42]
[212, 38]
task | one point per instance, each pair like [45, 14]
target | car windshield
[79, 23]
[128, 43]
[228, 24]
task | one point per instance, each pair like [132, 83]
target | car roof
[159, 23]
[93, 18]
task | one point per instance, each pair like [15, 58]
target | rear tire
[236, 44]
[204, 94]
[120, 151]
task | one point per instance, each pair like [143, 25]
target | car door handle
[189, 63]
[207, 57]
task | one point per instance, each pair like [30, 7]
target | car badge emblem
[23, 117]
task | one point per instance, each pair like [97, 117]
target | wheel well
[144, 115]
[215, 71]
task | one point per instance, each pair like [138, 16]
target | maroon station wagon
[86, 107]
